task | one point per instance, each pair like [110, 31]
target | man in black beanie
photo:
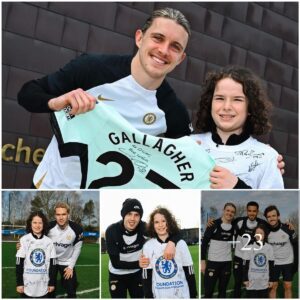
[124, 241]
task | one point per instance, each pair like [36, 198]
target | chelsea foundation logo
[260, 259]
[37, 257]
[166, 268]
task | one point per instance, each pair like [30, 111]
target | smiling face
[161, 49]
[160, 225]
[273, 218]
[61, 217]
[37, 225]
[228, 213]
[229, 107]
[252, 212]
[131, 220]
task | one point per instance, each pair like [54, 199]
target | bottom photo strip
[150, 244]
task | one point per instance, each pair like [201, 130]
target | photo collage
[150, 150]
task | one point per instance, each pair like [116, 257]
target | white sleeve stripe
[144, 273]
[18, 261]
[191, 270]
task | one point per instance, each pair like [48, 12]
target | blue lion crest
[166, 268]
[260, 259]
[37, 257]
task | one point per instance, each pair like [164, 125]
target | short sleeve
[21, 252]
[185, 253]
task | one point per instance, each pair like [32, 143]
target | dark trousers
[25, 296]
[238, 277]
[70, 285]
[258, 293]
[216, 271]
[120, 284]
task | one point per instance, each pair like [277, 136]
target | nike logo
[100, 98]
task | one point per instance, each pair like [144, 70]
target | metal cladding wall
[40, 37]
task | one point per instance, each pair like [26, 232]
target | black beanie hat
[131, 205]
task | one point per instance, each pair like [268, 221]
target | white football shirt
[37, 254]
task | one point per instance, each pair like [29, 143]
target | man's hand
[144, 261]
[68, 273]
[270, 284]
[246, 283]
[280, 164]
[210, 222]
[290, 225]
[169, 252]
[203, 266]
[79, 100]
[51, 289]
[20, 289]
[222, 178]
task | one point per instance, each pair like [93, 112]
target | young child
[167, 278]
[234, 107]
[35, 266]
[258, 265]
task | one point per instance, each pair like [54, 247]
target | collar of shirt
[36, 237]
[234, 139]
[163, 242]
[277, 227]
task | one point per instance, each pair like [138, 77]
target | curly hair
[44, 219]
[259, 106]
[173, 227]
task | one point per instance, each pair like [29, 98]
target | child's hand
[222, 178]
[270, 284]
[203, 266]
[246, 283]
[20, 289]
[51, 289]
[144, 261]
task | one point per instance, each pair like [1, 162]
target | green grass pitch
[104, 270]
[87, 268]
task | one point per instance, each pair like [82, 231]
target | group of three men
[240, 231]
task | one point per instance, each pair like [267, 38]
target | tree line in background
[16, 207]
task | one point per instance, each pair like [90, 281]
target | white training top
[67, 243]
[242, 241]
[252, 161]
[258, 273]
[168, 277]
[37, 254]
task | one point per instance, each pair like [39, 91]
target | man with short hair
[67, 239]
[244, 225]
[285, 247]
[216, 254]
[124, 241]
[136, 87]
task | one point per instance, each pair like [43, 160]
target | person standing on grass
[258, 265]
[125, 240]
[35, 264]
[284, 242]
[67, 238]
[167, 278]
[216, 254]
